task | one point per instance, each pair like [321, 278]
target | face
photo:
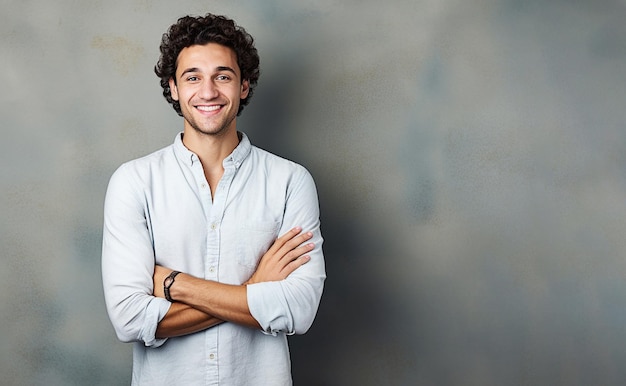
[208, 87]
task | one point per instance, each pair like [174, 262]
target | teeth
[208, 108]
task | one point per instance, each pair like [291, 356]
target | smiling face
[208, 87]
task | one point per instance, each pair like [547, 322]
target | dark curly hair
[201, 30]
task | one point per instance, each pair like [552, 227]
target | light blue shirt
[159, 209]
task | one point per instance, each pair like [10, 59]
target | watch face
[170, 279]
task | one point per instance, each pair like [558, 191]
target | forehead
[206, 57]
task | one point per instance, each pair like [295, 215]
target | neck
[211, 149]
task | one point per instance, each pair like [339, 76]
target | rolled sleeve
[287, 306]
[156, 310]
[290, 305]
[128, 264]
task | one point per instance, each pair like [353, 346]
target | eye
[192, 78]
[223, 78]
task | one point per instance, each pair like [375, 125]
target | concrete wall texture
[469, 157]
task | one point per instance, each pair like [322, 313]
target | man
[194, 270]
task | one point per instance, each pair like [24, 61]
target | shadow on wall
[350, 341]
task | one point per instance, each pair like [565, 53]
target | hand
[160, 273]
[286, 255]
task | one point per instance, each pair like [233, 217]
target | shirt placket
[214, 208]
[211, 259]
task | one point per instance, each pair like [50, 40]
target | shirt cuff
[155, 312]
[268, 308]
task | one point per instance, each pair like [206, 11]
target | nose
[208, 90]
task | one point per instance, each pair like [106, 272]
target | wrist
[167, 285]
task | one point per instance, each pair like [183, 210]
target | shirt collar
[235, 158]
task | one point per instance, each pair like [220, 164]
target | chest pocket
[253, 240]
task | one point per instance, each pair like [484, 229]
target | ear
[245, 89]
[173, 89]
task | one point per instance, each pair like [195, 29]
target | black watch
[167, 283]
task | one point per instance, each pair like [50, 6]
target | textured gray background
[469, 157]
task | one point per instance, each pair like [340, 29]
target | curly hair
[201, 30]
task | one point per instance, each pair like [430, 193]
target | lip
[209, 109]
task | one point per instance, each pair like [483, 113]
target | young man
[194, 270]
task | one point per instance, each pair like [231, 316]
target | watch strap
[167, 284]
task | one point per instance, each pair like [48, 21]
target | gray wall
[469, 158]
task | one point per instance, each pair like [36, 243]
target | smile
[209, 108]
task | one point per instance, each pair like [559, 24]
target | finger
[293, 232]
[297, 263]
[298, 252]
[295, 242]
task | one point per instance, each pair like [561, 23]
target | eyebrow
[217, 69]
[226, 68]
[192, 69]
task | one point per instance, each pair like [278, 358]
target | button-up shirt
[159, 210]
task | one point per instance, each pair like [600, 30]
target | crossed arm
[200, 304]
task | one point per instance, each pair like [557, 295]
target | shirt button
[212, 356]
[203, 186]
[212, 269]
[213, 226]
